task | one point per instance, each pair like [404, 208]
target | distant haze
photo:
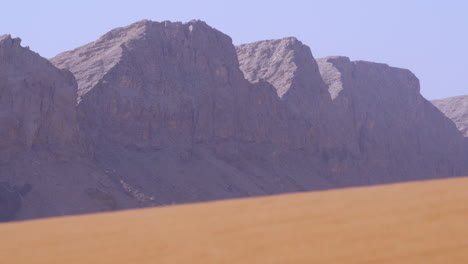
[429, 38]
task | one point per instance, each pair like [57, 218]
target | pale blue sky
[428, 37]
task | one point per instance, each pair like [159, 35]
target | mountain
[158, 113]
[172, 114]
[369, 116]
[455, 108]
[43, 166]
[391, 122]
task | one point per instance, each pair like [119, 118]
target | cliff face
[154, 85]
[43, 167]
[289, 66]
[37, 114]
[37, 103]
[174, 116]
[164, 113]
[373, 116]
[137, 85]
[391, 122]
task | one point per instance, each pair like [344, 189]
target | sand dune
[419, 222]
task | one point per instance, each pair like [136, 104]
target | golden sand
[418, 222]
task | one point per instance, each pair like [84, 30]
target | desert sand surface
[417, 222]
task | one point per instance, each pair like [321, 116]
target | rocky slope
[455, 108]
[164, 113]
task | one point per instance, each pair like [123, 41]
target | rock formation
[152, 85]
[172, 114]
[375, 116]
[43, 167]
[164, 113]
[37, 103]
[391, 122]
[289, 66]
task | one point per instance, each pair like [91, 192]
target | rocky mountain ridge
[170, 112]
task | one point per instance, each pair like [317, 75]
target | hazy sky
[428, 37]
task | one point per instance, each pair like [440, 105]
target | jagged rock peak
[290, 67]
[155, 72]
[7, 44]
[91, 62]
[144, 27]
[280, 62]
[7, 38]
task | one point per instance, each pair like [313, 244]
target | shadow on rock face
[11, 200]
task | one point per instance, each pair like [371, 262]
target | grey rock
[397, 130]
[40, 146]
[455, 108]
[375, 117]
[164, 113]
[154, 84]
[175, 119]
[289, 66]
[37, 103]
